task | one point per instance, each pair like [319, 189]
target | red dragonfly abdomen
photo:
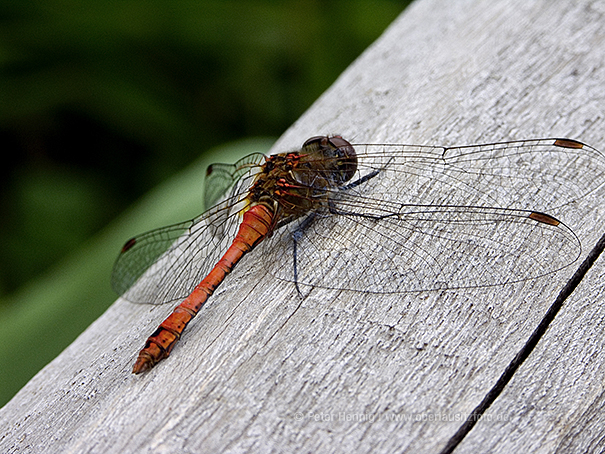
[257, 224]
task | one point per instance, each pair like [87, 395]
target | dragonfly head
[337, 153]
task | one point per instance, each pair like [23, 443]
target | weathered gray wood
[261, 369]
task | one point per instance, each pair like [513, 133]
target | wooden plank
[263, 369]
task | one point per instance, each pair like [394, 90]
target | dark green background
[106, 102]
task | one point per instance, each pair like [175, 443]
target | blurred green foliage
[102, 100]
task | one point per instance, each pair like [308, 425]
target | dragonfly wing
[545, 175]
[166, 264]
[141, 252]
[221, 178]
[426, 249]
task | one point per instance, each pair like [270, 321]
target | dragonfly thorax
[299, 181]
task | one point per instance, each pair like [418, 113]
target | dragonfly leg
[359, 181]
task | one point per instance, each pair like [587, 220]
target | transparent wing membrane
[221, 178]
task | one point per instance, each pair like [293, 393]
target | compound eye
[332, 155]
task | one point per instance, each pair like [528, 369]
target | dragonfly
[369, 218]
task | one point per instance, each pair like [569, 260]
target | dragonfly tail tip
[142, 364]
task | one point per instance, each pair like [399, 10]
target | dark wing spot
[129, 244]
[568, 143]
[543, 218]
